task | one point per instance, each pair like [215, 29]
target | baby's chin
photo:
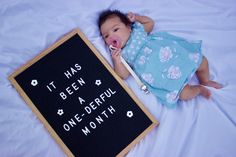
[123, 44]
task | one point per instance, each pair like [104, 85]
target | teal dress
[163, 62]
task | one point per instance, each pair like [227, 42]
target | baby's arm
[119, 68]
[147, 22]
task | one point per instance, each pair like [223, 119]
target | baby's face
[113, 28]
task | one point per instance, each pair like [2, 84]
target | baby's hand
[115, 54]
[131, 16]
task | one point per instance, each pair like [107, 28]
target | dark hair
[110, 13]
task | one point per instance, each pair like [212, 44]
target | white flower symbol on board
[98, 82]
[60, 112]
[34, 82]
[129, 114]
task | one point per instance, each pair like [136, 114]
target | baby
[164, 62]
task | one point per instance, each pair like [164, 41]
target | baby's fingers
[131, 16]
[116, 53]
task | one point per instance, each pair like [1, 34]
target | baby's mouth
[115, 42]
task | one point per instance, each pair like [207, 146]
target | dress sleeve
[138, 27]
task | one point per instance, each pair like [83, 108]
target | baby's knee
[184, 94]
[189, 92]
[204, 64]
[204, 60]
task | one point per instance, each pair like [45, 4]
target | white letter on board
[69, 91]
[75, 87]
[77, 117]
[99, 119]
[78, 67]
[86, 131]
[98, 102]
[72, 122]
[67, 73]
[51, 83]
[104, 113]
[63, 96]
[88, 109]
[92, 106]
[111, 109]
[81, 82]
[73, 71]
[66, 127]
[102, 97]
[93, 125]
[81, 100]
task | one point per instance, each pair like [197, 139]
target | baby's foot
[212, 84]
[205, 92]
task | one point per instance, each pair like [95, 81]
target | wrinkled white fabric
[196, 128]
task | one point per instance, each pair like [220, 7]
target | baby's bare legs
[203, 75]
[190, 92]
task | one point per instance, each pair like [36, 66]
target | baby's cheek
[106, 42]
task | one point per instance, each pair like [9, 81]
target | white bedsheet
[196, 128]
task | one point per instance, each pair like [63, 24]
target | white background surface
[196, 128]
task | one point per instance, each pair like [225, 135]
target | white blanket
[196, 128]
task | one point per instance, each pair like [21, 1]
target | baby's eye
[116, 29]
[105, 36]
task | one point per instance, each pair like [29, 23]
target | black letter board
[85, 106]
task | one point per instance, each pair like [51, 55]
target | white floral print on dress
[174, 72]
[142, 60]
[148, 78]
[172, 97]
[194, 57]
[165, 54]
[147, 50]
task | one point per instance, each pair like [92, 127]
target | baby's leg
[190, 92]
[203, 75]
